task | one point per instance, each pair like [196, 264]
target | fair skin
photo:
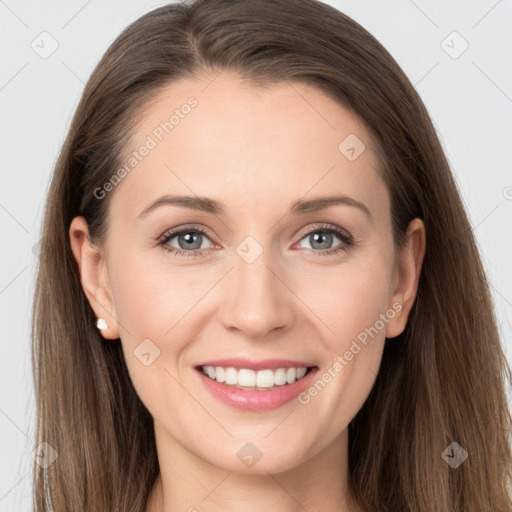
[257, 150]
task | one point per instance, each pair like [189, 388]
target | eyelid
[172, 232]
[346, 238]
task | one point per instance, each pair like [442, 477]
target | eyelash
[343, 235]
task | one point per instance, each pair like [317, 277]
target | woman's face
[317, 285]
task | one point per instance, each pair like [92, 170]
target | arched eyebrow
[321, 203]
[215, 207]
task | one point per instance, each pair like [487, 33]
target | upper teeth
[250, 378]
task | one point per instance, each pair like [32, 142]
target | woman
[254, 367]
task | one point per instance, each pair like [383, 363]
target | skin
[257, 150]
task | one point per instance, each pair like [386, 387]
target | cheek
[363, 297]
[150, 302]
[149, 298]
[350, 298]
[356, 312]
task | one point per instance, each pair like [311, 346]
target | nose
[259, 300]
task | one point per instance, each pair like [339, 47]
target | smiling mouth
[260, 380]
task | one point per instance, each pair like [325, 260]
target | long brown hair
[441, 381]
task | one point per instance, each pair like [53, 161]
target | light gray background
[468, 97]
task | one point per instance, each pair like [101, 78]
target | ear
[408, 272]
[93, 276]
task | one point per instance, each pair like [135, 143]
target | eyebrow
[209, 205]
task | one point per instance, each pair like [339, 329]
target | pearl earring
[101, 324]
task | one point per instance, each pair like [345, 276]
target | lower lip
[254, 400]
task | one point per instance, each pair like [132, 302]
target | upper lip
[264, 364]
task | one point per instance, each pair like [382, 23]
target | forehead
[220, 136]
